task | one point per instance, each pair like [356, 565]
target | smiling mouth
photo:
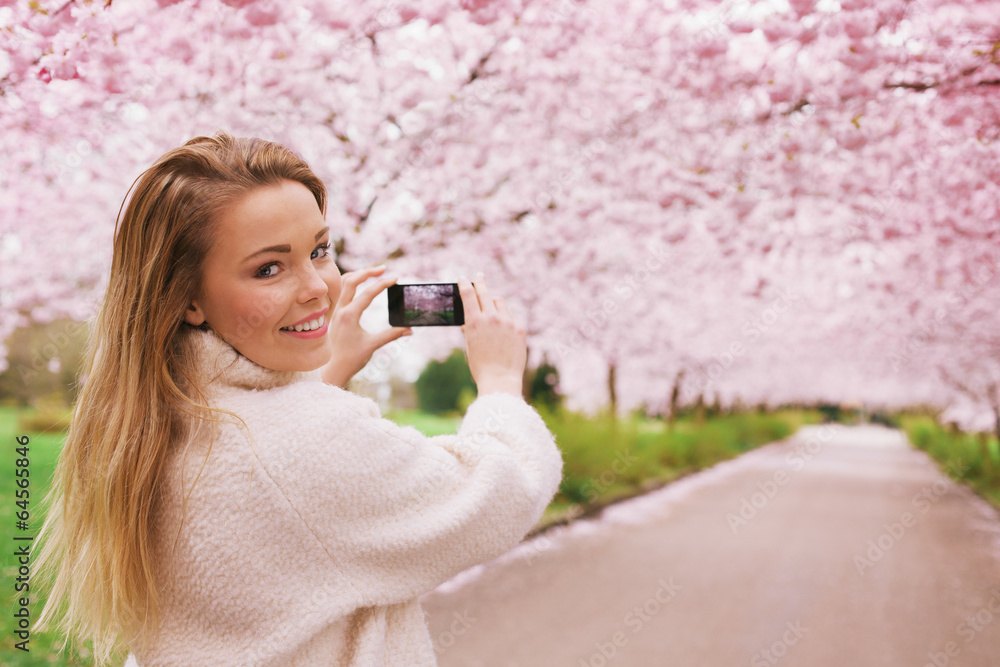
[307, 326]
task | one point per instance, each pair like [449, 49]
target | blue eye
[267, 271]
[323, 249]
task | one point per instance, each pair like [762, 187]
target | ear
[193, 315]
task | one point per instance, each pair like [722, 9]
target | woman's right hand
[494, 340]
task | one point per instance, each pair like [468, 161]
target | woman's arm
[398, 512]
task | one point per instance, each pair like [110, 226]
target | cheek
[255, 309]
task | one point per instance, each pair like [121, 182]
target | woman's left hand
[353, 346]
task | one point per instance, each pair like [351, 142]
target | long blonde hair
[95, 542]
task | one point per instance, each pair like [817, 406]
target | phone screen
[425, 305]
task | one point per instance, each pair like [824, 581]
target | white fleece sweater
[309, 542]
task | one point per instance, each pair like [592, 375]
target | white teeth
[308, 326]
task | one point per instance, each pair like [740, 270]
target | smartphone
[425, 305]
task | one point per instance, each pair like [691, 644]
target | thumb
[391, 334]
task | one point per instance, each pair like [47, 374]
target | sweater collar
[217, 364]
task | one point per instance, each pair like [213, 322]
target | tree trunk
[675, 396]
[612, 394]
[986, 454]
[996, 421]
[526, 377]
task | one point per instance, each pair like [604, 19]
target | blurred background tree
[543, 387]
[44, 361]
[440, 385]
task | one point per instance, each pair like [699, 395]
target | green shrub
[972, 458]
[605, 457]
[44, 418]
[439, 387]
[543, 388]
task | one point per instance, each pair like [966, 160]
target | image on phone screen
[423, 305]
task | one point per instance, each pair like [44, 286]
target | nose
[311, 284]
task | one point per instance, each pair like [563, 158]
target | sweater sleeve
[398, 512]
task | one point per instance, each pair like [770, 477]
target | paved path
[841, 547]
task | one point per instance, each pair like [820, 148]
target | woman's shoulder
[305, 401]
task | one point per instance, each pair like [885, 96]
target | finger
[470, 302]
[501, 306]
[483, 293]
[351, 280]
[391, 334]
[365, 298]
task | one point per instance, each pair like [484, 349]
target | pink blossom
[860, 24]
[408, 13]
[180, 47]
[596, 145]
[263, 14]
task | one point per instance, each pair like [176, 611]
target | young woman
[221, 500]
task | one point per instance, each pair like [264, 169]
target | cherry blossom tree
[733, 202]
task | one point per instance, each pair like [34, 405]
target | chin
[303, 362]
[292, 361]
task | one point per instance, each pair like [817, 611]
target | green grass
[425, 422]
[605, 460]
[970, 458]
[447, 316]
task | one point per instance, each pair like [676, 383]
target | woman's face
[269, 273]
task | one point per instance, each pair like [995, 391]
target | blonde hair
[95, 542]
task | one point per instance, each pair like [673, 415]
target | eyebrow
[282, 248]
